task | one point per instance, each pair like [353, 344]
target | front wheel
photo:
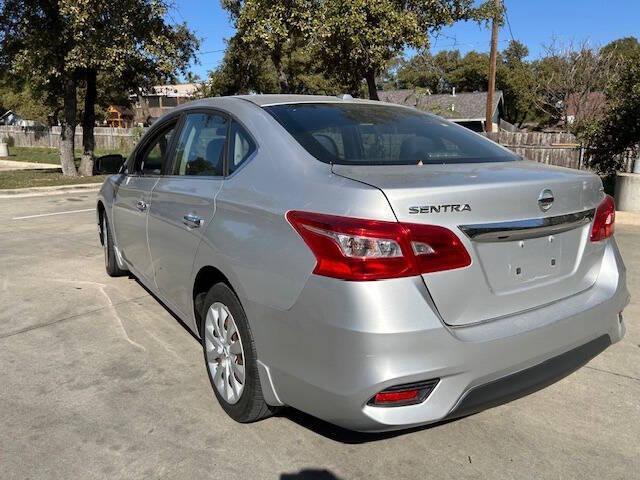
[110, 262]
[230, 356]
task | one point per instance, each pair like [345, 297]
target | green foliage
[358, 38]
[252, 70]
[516, 79]
[619, 131]
[54, 45]
[24, 101]
[340, 43]
[242, 71]
[447, 69]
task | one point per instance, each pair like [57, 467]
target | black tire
[110, 262]
[251, 406]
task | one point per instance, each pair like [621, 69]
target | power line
[506, 16]
[207, 52]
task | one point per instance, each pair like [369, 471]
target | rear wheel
[110, 262]
[230, 356]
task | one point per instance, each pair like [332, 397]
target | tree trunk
[88, 124]
[67, 137]
[283, 81]
[371, 85]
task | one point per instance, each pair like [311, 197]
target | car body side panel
[250, 240]
[173, 244]
[130, 222]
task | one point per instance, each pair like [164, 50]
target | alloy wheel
[224, 352]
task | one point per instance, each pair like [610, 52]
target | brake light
[604, 220]
[358, 249]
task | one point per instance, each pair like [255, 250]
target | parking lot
[99, 380]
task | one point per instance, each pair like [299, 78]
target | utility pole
[492, 68]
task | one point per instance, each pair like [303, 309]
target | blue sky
[532, 22]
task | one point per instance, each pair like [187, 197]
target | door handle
[192, 221]
[142, 205]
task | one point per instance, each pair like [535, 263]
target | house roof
[461, 106]
[178, 90]
[587, 106]
[124, 111]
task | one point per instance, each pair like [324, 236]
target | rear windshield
[365, 134]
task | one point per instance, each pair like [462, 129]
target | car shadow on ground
[311, 474]
[320, 427]
[342, 435]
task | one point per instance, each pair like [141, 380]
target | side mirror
[108, 164]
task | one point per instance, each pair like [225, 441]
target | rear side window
[240, 147]
[366, 134]
[200, 148]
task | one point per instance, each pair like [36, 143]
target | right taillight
[360, 249]
[604, 220]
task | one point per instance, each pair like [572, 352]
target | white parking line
[54, 213]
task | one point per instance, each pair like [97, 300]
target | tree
[471, 73]
[33, 48]
[272, 27]
[57, 46]
[127, 42]
[568, 75]
[619, 130]
[242, 71]
[432, 72]
[516, 80]
[246, 70]
[22, 99]
[357, 39]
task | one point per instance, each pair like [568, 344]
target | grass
[47, 155]
[41, 178]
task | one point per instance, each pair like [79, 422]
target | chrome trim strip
[523, 229]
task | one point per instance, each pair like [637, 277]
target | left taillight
[604, 220]
[360, 249]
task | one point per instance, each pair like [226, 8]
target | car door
[132, 201]
[183, 203]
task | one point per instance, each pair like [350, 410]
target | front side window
[366, 134]
[240, 147]
[154, 155]
[200, 149]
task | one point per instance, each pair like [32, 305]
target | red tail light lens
[604, 220]
[402, 395]
[359, 249]
[396, 397]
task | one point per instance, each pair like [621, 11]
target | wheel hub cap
[224, 352]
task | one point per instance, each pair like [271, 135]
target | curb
[50, 190]
[627, 218]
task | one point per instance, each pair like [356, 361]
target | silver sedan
[366, 263]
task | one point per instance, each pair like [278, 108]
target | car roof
[275, 99]
[230, 103]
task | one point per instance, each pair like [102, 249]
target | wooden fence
[560, 149]
[107, 138]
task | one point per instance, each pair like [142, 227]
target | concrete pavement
[98, 380]
[13, 165]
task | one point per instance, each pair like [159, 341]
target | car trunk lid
[524, 255]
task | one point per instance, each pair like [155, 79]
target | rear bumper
[529, 380]
[342, 342]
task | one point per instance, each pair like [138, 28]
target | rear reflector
[604, 220]
[359, 249]
[402, 395]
